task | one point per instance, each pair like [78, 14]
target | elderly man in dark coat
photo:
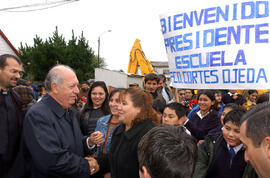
[52, 143]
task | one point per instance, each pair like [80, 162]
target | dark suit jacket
[52, 144]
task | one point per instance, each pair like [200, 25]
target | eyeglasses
[14, 71]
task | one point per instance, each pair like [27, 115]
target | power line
[49, 5]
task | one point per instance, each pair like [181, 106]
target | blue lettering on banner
[229, 76]
[258, 33]
[220, 36]
[240, 11]
[209, 65]
[250, 75]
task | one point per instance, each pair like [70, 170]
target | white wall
[116, 79]
[5, 48]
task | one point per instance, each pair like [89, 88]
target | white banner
[222, 46]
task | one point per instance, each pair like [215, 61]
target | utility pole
[99, 44]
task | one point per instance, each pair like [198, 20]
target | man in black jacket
[10, 111]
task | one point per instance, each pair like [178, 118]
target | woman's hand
[96, 138]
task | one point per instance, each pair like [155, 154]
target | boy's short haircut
[231, 105]
[178, 108]
[159, 105]
[257, 123]
[234, 116]
[168, 151]
[151, 76]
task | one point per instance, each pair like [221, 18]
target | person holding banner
[205, 118]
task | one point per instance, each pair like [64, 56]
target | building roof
[160, 63]
[8, 42]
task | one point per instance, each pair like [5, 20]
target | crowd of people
[63, 128]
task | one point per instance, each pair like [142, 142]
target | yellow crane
[138, 59]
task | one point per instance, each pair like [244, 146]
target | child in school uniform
[174, 114]
[221, 155]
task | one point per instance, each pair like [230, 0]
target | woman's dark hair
[208, 93]
[105, 105]
[116, 90]
[217, 91]
[216, 105]
[252, 91]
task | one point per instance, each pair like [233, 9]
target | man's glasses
[14, 71]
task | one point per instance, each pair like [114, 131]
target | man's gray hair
[55, 75]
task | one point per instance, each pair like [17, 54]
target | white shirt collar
[232, 94]
[236, 148]
[200, 114]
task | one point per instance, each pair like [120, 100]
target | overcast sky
[127, 19]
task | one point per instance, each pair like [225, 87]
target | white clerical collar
[4, 92]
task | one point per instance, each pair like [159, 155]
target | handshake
[93, 164]
[96, 138]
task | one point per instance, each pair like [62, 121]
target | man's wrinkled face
[10, 74]
[66, 92]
